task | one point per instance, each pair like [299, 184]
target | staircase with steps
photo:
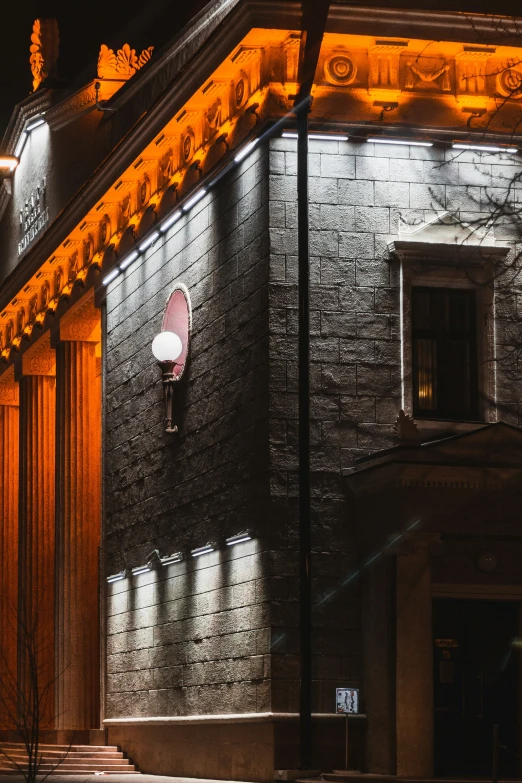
[83, 759]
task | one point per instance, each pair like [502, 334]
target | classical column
[78, 518]
[37, 512]
[8, 547]
[414, 663]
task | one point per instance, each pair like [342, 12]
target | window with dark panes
[444, 353]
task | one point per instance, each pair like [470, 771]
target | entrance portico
[439, 520]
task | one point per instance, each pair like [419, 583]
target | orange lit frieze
[255, 81]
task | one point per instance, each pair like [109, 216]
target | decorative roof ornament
[406, 430]
[45, 40]
[123, 64]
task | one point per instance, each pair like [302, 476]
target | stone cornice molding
[408, 21]
[447, 241]
[411, 22]
[186, 44]
[35, 104]
[446, 253]
[410, 476]
[80, 102]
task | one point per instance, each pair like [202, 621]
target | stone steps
[76, 759]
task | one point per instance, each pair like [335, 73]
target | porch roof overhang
[489, 453]
[469, 483]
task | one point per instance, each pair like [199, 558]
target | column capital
[77, 330]
[38, 359]
[9, 392]
[79, 324]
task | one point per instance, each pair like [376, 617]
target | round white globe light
[166, 347]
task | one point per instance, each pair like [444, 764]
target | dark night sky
[84, 27]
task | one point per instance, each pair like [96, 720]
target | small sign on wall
[347, 700]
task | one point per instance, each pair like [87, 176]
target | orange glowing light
[8, 163]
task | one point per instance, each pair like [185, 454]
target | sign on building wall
[347, 700]
[33, 216]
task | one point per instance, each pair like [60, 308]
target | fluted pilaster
[37, 529]
[78, 524]
[8, 550]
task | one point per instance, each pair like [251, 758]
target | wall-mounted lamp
[239, 539]
[8, 163]
[468, 145]
[170, 348]
[175, 557]
[403, 142]
[202, 550]
[385, 106]
[167, 347]
[117, 577]
[152, 558]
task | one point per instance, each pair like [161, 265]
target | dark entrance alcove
[476, 681]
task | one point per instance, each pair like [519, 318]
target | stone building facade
[195, 668]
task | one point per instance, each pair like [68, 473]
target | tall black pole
[305, 586]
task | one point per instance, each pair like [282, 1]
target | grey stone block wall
[191, 638]
[360, 195]
[221, 634]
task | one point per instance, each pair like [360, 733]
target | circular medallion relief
[509, 83]
[240, 92]
[340, 69]
[188, 146]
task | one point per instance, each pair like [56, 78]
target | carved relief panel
[384, 65]
[472, 70]
[291, 57]
[8, 389]
[428, 73]
[509, 78]
[39, 359]
[248, 58]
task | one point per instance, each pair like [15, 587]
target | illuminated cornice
[256, 81]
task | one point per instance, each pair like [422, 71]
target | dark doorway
[476, 686]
